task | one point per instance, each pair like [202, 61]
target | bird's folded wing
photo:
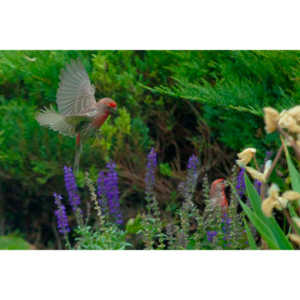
[50, 118]
[75, 94]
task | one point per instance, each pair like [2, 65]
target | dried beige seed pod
[273, 191]
[289, 122]
[281, 203]
[271, 117]
[295, 112]
[271, 202]
[256, 175]
[291, 195]
[245, 156]
[295, 238]
[267, 206]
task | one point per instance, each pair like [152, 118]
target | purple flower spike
[226, 226]
[108, 189]
[257, 185]
[241, 186]
[71, 188]
[61, 216]
[112, 192]
[187, 187]
[150, 173]
[193, 172]
[193, 162]
[210, 235]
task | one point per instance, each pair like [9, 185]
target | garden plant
[201, 153]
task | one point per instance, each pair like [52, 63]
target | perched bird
[217, 194]
[79, 114]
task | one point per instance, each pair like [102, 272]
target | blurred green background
[181, 102]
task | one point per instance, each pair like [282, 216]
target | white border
[156, 24]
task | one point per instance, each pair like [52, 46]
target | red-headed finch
[80, 115]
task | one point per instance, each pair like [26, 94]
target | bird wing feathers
[50, 118]
[75, 94]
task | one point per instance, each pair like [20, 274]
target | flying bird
[79, 114]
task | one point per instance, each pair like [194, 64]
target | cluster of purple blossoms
[257, 185]
[193, 163]
[108, 189]
[101, 190]
[61, 216]
[241, 187]
[210, 235]
[226, 227]
[150, 173]
[193, 171]
[71, 188]
[187, 187]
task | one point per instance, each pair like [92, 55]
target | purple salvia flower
[257, 185]
[241, 187]
[193, 162]
[61, 216]
[112, 192]
[71, 188]
[226, 219]
[150, 172]
[210, 235]
[187, 187]
[226, 222]
[193, 172]
[108, 192]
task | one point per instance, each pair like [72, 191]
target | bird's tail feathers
[50, 118]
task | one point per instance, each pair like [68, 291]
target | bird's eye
[112, 104]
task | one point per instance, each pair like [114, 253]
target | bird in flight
[79, 114]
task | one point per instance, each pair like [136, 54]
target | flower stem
[291, 140]
[264, 185]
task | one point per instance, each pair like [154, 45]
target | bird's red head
[109, 103]
[218, 190]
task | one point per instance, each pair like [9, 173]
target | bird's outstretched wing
[75, 94]
[50, 118]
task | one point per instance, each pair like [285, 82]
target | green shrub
[12, 242]
[182, 102]
[233, 87]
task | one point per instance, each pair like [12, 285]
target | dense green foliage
[236, 85]
[13, 242]
[181, 102]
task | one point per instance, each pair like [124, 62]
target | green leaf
[11, 242]
[261, 227]
[271, 226]
[250, 237]
[281, 238]
[165, 169]
[295, 176]
[134, 225]
[254, 197]
[293, 214]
